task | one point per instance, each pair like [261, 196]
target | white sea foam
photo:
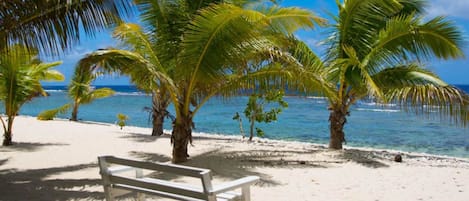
[378, 110]
[317, 97]
[131, 94]
[378, 104]
[55, 90]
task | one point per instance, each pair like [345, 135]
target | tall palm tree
[216, 42]
[377, 50]
[81, 92]
[53, 25]
[21, 73]
[209, 58]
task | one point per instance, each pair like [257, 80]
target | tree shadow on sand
[234, 165]
[4, 161]
[28, 146]
[34, 185]
[369, 159]
[137, 137]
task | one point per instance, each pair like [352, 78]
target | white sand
[56, 160]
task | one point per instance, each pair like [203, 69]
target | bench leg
[246, 193]
[139, 174]
[108, 193]
[212, 198]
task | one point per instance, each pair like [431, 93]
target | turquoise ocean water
[306, 120]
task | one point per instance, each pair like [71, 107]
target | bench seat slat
[165, 167]
[153, 192]
[245, 181]
[158, 185]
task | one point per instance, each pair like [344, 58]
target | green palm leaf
[52, 113]
[21, 74]
[52, 25]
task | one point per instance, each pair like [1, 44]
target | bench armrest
[224, 187]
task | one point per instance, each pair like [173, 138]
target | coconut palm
[21, 73]
[216, 41]
[377, 50]
[140, 61]
[81, 92]
[209, 58]
[53, 25]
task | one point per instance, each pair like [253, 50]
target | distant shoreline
[257, 140]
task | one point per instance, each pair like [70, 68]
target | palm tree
[376, 50]
[207, 58]
[141, 62]
[81, 92]
[53, 25]
[21, 73]
[216, 45]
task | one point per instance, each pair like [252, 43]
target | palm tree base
[181, 137]
[7, 141]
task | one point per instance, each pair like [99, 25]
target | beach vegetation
[21, 73]
[213, 54]
[52, 113]
[81, 92]
[205, 51]
[139, 60]
[379, 50]
[54, 25]
[239, 119]
[121, 120]
[256, 109]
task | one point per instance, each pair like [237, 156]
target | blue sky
[453, 72]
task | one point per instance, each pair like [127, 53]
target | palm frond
[21, 74]
[96, 94]
[289, 20]
[405, 76]
[54, 25]
[213, 37]
[406, 37]
[445, 102]
[52, 113]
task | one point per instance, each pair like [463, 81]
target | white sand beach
[57, 160]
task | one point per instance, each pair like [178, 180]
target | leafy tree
[377, 50]
[81, 92]
[121, 120]
[238, 118]
[21, 73]
[255, 109]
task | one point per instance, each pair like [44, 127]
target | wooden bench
[116, 181]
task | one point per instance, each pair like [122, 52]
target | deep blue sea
[306, 120]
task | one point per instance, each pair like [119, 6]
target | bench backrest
[203, 174]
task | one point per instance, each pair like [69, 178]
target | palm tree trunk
[158, 121]
[75, 112]
[7, 140]
[337, 120]
[159, 106]
[181, 137]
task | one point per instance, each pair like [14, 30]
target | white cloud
[77, 53]
[453, 8]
